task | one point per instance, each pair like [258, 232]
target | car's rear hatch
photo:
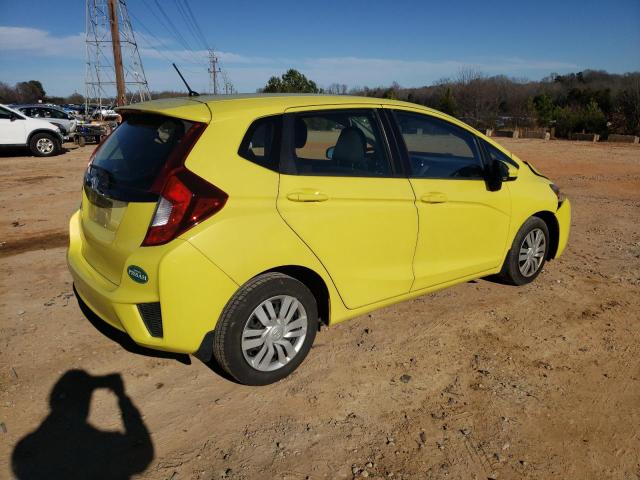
[121, 188]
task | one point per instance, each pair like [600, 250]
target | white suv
[43, 138]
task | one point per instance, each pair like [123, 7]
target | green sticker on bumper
[137, 274]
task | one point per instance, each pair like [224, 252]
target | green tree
[593, 119]
[544, 109]
[447, 102]
[291, 82]
[629, 106]
[75, 98]
[30, 92]
[566, 121]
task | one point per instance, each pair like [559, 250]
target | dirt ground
[478, 381]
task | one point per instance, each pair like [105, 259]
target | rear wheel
[266, 329]
[528, 252]
[44, 145]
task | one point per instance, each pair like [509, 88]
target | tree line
[591, 101]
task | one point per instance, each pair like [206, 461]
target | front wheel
[528, 252]
[266, 329]
[44, 145]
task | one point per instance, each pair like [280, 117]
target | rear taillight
[185, 201]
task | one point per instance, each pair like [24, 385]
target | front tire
[44, 145]
[266, 330]
[527, 254]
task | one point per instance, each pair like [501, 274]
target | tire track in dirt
[45, 241]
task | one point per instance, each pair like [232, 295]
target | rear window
[129, 161]
[261, 144]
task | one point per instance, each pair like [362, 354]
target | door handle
[307, 195]
[433, 197]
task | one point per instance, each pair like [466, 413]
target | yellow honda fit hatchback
[232, 227]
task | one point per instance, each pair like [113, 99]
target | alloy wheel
[44, 145]
[532, 252]
[274, 333]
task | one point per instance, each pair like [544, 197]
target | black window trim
[274, 163]
[484, 144]
[402, 146]
[288, 156]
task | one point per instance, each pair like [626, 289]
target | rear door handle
[307, 195]
[433, 197]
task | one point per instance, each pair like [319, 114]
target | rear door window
[261, 144]
[346, 143]
[128, 162]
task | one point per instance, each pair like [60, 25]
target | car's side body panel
[363, 231]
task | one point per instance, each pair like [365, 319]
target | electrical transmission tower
[215, 72]
[113, 65]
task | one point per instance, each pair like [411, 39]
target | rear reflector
[152, 317]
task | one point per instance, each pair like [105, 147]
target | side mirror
[13, 117]
[329, 152]
[494, 175]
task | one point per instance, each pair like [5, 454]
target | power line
[168, 26]
[177, 33]
[195, 23]
[170, 59]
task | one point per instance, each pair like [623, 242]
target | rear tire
[44, 145]
[266, 330]
[527, 254]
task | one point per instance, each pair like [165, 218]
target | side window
[344, 143]
[54, 113]
[495, 154]
[261, 144]
[5, 114]
[438, 149]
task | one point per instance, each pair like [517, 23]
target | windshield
[12, 110]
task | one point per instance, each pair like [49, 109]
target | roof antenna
[192, 93]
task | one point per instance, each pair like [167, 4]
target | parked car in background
[235, 238]
[43, 138]
[72, 109]
[104, 113]
[52, 114]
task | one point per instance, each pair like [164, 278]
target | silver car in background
[51, 114]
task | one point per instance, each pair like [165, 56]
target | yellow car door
[341, 192]
[463, 225]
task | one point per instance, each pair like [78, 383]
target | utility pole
[121, 98]
[214, 70]
[114, 69]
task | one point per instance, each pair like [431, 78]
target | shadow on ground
[66, 446]
[25, 152]
[123, 339]
[130, 346]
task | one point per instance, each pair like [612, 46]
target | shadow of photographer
[65, 445]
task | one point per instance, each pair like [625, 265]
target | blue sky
[353, 42]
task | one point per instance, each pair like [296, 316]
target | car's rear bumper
[563, 215]
[191, 291]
